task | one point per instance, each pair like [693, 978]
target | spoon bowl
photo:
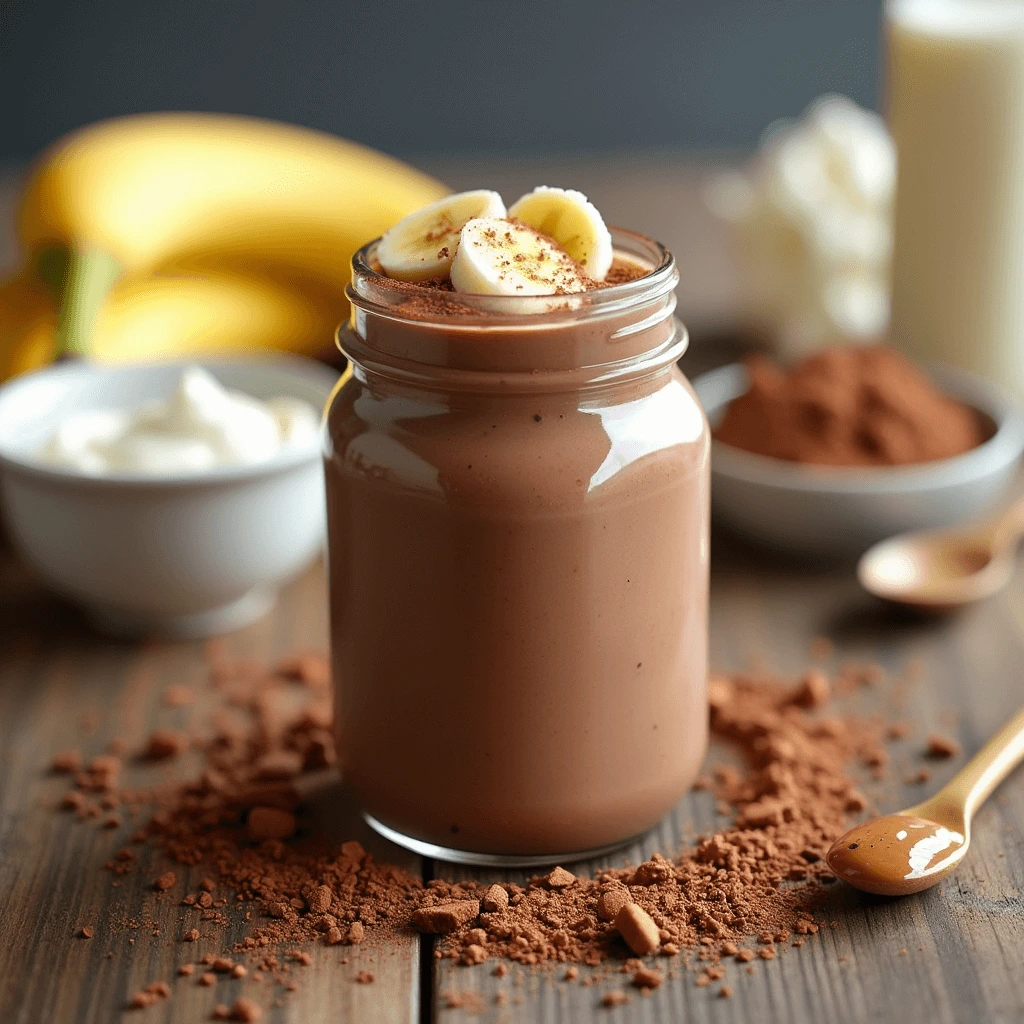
[898, 854]
[936, 571]
[940, 570]
[902, 853]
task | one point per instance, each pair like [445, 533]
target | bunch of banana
[170, 234]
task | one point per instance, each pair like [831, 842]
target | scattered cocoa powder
[164, 743]
[644, 977]
[791, 803]
[311, 669]
[468, 1001]
[614, 998]
[73, 800]
[67, 761]
[100, 774]
[246, 1010]
[152, 993]
[815, 689]
[760, 876]
[179, 696]
[941, 746]
[848, 406]
[270, 823]
[821, 648]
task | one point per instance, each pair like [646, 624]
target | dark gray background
[434, 76]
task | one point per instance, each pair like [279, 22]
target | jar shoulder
[518, 449]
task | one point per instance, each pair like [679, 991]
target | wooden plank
[963, 940]
[53, 673]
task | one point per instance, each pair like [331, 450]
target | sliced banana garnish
[423, 245]
[502, 257]
[573, 222]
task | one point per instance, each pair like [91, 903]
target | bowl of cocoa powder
[852, 445]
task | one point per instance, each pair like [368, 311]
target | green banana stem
[88, 276]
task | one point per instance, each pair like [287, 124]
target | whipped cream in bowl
[200, 426]
[166, 498]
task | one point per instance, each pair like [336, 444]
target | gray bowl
[829, 511]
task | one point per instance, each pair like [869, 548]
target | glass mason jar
[518, 550]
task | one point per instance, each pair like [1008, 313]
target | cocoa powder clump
[610, 902]
[446, 917]
[495, 899]
[67, 761]
[940, 746]
[165, 743]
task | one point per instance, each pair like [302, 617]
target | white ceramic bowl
[834, 511]
[181, 556]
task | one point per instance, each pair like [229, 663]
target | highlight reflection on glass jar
[518, 535]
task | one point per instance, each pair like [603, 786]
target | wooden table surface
[954, 953]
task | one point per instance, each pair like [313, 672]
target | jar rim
[374, 292]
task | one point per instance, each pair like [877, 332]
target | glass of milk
[955, 99]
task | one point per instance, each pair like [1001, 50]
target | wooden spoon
[903, 853]
[939, 570]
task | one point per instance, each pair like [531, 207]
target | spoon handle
[973, 784]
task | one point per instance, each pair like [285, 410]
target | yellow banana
[160, 317]
[165, 317]
[134, 194]
[28, 319]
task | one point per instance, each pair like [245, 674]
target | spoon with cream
[911, 850]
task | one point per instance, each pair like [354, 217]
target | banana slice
[423, 245]
[502, 257]
[573, 221]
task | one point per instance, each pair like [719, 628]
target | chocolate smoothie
[518, 509]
